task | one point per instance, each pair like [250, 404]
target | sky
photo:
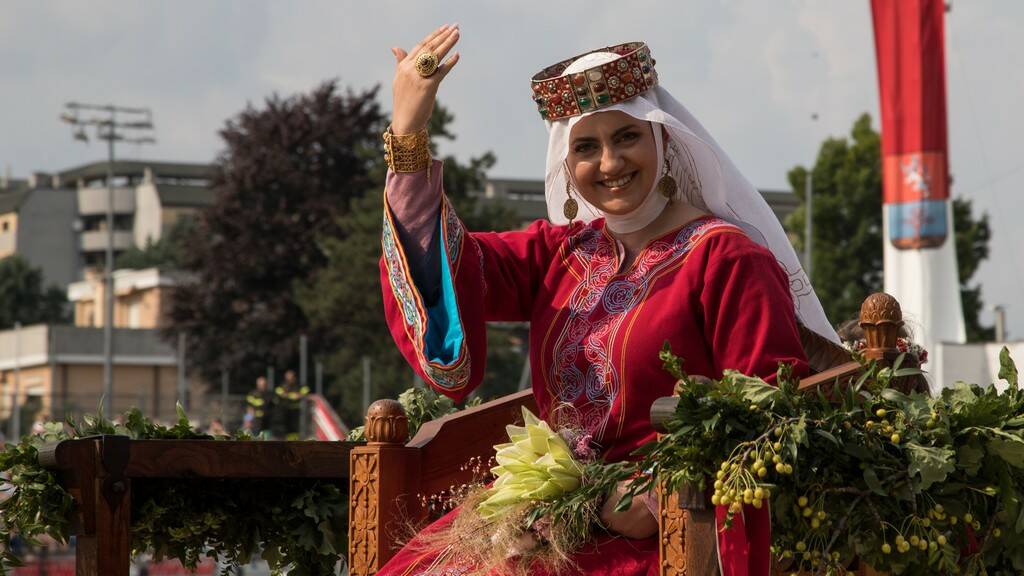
[770, 79]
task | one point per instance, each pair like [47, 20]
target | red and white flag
[326, 424]
[920, 252]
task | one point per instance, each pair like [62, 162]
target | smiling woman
[669, 243]
[613, 159]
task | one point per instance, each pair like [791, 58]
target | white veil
[703, 170]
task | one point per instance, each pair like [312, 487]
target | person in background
[216, 428]
[288, 398]
[257, 408]
[39, 424]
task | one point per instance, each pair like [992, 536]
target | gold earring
[570, 208]
[667, 184]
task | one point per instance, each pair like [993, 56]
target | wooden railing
[391, 478]
[99, 473]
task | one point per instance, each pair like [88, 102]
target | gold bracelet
[407, 152]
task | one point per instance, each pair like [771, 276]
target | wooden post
[380, 505]
[103, 541]
[686, 532]
[881, 319]
[113, 507]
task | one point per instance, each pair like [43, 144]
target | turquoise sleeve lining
[444, 327]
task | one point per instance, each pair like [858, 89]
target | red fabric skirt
[606, 556]
[743, 551]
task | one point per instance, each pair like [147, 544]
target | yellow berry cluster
[814, 513]
[739, 488]
[740, 479]
[883, 426]
[928, 533]
[808, 555]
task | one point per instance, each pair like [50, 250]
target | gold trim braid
[407, 152]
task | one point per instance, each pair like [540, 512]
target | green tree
[289, 170]
[169, 252]
[847, 256]
[344, 302]
[23, 298]
[972, 236]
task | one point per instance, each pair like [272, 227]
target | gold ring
[426, 63]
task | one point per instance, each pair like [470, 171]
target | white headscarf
[704, 172]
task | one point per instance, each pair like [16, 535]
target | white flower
[535, 465]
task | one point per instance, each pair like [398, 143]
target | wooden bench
[99, 473]
[393, 481]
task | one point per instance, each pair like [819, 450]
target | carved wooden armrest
[391, 479]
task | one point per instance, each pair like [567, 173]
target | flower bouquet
[543, 505]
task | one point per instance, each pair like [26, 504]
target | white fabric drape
[705, 174]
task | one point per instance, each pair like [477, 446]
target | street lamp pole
[809, 215]
[809, 223]
[104, 118]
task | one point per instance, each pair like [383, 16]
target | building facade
[37, 222]
[58, 370]
[58, 222]
[141, 299]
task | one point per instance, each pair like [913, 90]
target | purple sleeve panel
[415, 205]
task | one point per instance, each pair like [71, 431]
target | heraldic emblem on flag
[916, 191]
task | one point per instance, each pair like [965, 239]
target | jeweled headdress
[559, 96]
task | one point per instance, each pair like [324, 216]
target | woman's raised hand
[413, 95]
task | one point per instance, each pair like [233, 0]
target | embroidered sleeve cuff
[436, 331]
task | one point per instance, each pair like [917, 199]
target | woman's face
[614, 160]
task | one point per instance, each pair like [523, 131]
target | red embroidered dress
[719, 299]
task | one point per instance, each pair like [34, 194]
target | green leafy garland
[909, 484]
[421, 405]
[297, 525]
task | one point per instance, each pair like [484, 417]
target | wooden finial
[881, 319]
[386, 423]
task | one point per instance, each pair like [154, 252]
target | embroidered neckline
[671, 237]
[582, 370]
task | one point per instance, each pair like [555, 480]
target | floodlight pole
[108, 119]
[809, 223]
[809, 215]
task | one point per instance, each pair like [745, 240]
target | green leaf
[896, 397]
[873, 483]
[182, 416]
[670, 362]
[624, 503]
[932, 464]
[904, 372]
[827, 435]
[799, 431]
[757, 391]
[970, 457]
[1011, 451]
[959, 395]
[1007, 368]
